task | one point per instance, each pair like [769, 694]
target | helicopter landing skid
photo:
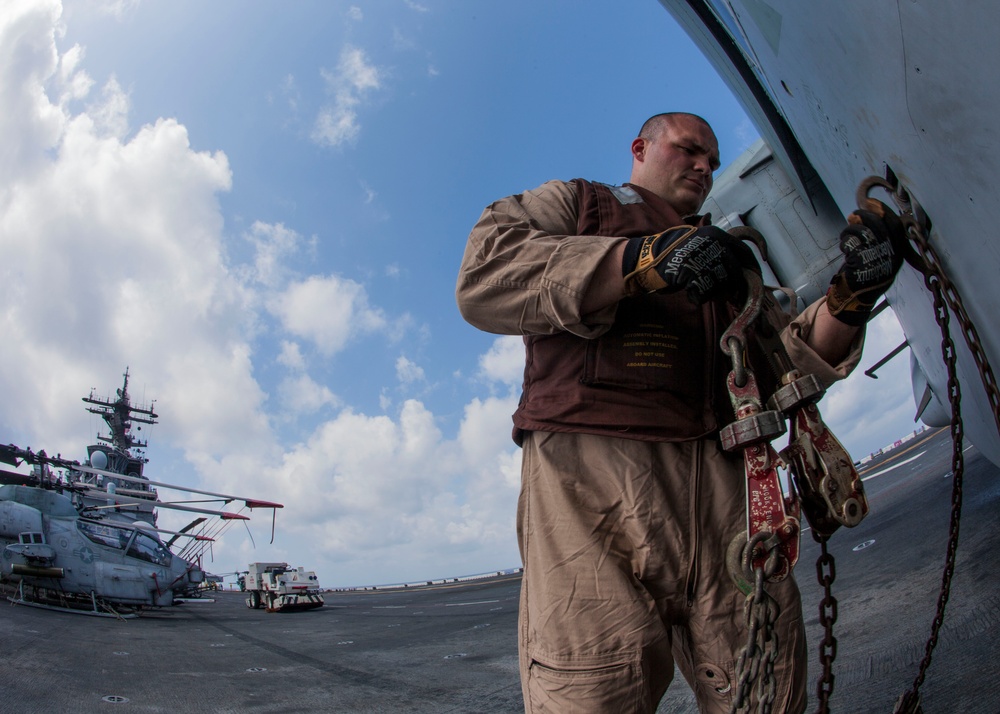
[94, 610]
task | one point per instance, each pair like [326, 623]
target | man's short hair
[654, 126]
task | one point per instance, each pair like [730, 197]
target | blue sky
[260, 210]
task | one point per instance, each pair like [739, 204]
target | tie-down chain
[820, 467]
[920, 253]
[824, 485]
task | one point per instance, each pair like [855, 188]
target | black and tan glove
[872, 245]
[706, 262]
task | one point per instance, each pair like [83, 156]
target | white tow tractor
[280, 588]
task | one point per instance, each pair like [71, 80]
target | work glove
[706, 262]
[872, 245]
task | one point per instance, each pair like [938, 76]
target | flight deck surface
[452, 647]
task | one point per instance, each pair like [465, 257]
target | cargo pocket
[587, 684]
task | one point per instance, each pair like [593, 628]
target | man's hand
[706, 262]
[872, 247]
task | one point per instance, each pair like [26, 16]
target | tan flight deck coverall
[622, 528]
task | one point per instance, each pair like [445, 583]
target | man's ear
[639, 148]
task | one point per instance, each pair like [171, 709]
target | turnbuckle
[772, 517]
[829, 487]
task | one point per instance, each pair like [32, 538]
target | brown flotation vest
[654, 375]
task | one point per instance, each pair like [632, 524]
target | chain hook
[737, 353]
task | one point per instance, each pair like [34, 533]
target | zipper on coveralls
[714, 355]
[692, 574]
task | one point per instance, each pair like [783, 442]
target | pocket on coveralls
[598, 685]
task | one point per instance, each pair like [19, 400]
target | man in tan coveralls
[628, 502]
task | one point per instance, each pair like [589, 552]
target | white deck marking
[894, 466]
[461, 604]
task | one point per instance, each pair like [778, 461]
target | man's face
[678, 164]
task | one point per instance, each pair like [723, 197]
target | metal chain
[755, 665]
[944, 290]
[756, 661]
[936, 282]
[826, 573]
[946, 297]
[759, 655]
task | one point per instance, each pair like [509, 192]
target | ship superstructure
[119, 452]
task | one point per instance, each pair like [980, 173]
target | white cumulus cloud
[408, 371]
[115, 252]
[353, 79]
[327, 310]
[504, 362]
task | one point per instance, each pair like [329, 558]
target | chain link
[940, 287]
[756, 661]
[826, 573]
[946, 298]
[755, 665]
[945, 291]
[929, 264]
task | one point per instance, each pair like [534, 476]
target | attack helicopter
[83, 537]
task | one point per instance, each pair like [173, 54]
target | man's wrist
[850, 307]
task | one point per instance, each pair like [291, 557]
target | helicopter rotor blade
[215, 529]
[14, 455]
[195, 536]
[184, 531]
[118, 498]
[250, 502]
